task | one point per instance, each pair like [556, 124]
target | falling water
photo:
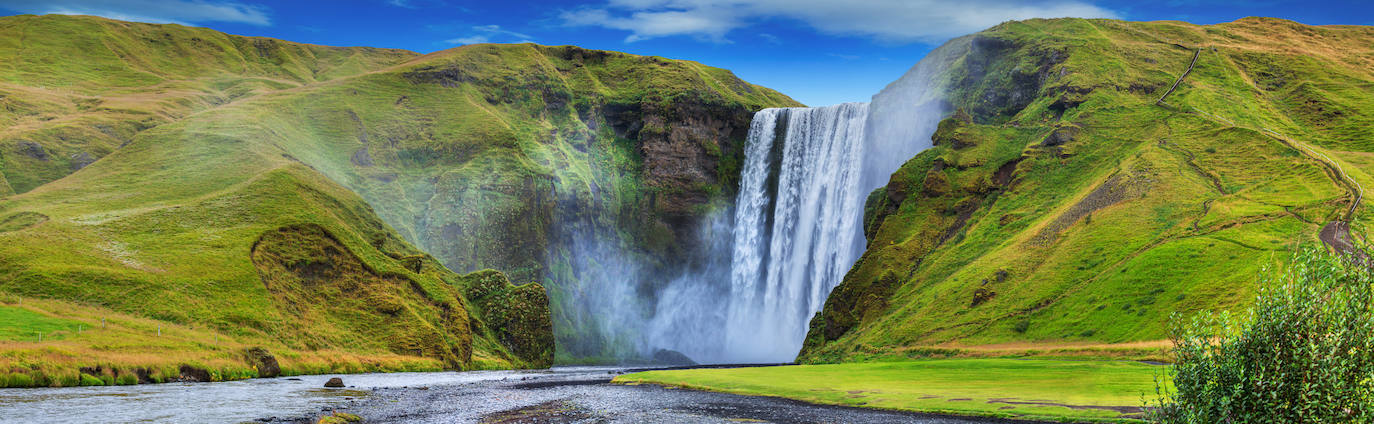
[797, 219]
[796, 224]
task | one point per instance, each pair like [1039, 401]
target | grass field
[1013, 388]
[17, 323]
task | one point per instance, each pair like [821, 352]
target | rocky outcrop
[80, 160]
[263, 361]
[310, 273]
[671, 357]
[193, 374]
[516, 316]
[691, 148]
[33, 150]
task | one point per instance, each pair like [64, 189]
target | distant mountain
[1065, 205]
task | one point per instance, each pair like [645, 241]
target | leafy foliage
[1304, 353]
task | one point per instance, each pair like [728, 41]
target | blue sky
[817, 51]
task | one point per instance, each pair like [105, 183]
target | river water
[224, 402]
[559, 395]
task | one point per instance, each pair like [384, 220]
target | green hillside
[505, 156]
[1063, 207]
[75, 88]
[256, 193]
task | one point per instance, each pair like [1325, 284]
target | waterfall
[796, 225]
[797, 219]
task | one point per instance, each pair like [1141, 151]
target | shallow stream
[223, 402]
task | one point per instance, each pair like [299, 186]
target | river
[558, 395]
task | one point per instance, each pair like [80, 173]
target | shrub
[1303, 353]
[17, 379]
[90, 380]
[1021, 325]
[127, 379]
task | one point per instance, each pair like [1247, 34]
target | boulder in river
[334, 382]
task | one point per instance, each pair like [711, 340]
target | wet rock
[264, 361]
[672, 357]
[334, 382]
[145, 376]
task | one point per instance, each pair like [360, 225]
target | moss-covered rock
[516, 316]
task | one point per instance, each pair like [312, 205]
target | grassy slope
[1146, 210]
[1027, 389]
[482, 154]
[231, 240]
[253, 221]
[71, 99]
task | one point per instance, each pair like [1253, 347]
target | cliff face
[1061, 204]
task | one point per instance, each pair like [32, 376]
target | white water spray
[796, 225]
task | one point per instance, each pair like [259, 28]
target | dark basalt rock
[1060, 136]
[334, 382]
[671, 357]
[264, 361]
[80, 160]
[33, 150]
[194, 374]
[982, 294]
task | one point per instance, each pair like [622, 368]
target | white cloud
[886, 20]
[152, 11]
[402, 3]
[473, 39]
[658, 22]
[487, 33]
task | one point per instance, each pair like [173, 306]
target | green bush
[1021, 325]
[1303, 353]
[126, 379]
[16, 379]
[90, 380]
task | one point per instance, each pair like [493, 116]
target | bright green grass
[17, 323]
[985, 387]
[1210, 196]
